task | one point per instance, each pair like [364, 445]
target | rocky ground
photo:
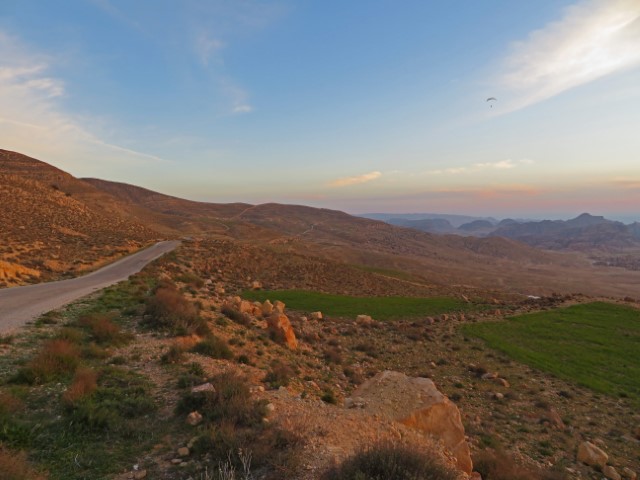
[311, 386]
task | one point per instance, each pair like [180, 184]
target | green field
[596, 345]
[380, 308]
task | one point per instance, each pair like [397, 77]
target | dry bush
[56, 358]
[9, 404]
[237, 316]
[279, 375]
[103, 330]
[214, 347]
[392, 461]
[168, 308]
[84, 384]
[174, 355]
[498, 465]
[14, 466]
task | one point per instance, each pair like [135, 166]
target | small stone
[498, 396]
[628, 473]
[503, 382]
[140, 475]
[591, 455]
[611, 473]
[270, 407]
[489, 376]
[183, 452]
[256, 285]
[176, 461]
[315, 315]
[364, 320]
[205, 387]
[194, 418]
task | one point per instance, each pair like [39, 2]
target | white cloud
[34, 120]
[207, 46]
[348, 181]
[499, 165]
[594, 38]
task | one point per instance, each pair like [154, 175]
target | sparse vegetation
[214, 347]
[392, 461]
[168, 308]
[592, 344]
[380, 308]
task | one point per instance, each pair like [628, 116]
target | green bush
[387, 461]
[214, 347]
[231, 402]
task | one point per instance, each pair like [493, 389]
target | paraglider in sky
[491, 99]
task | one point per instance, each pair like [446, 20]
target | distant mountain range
[584, 233]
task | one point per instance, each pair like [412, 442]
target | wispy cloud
[498, 165]
[594, 38]
[207, 46]
[348, 181]
[33, 116]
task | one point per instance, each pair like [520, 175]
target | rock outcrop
[591, 455]
[280, 327]
[417, 403]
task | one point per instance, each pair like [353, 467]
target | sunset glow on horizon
[357, 106]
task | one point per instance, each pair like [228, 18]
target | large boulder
[591, 455]
[281, 329]
[417, 403]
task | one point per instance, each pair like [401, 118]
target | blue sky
[359, 105]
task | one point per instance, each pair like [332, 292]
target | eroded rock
[280, 326]
[417, 403]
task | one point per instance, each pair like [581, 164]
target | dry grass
[57, 357]
[168, 308]
[84, 384]
[9, 404]
[103, 330]
[14, 466]
[498, 465]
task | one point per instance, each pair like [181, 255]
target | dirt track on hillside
[18, 305]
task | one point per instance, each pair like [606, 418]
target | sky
[360, 105]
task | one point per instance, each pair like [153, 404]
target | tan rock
[364, 320]
[194, 418]
[256, 285]
[183, 452]
[554, 418]
[628, 473]
[278, 306]
[267, 308]
[591, 455]
[315, 315]
[417, 403]
[502, 381]
[205, 387]
[139, 475]
[245, 307]
[280, 326]
[611, 473]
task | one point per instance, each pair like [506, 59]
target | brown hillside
[53, 224]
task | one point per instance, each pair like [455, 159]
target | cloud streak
[358, 179]
[34, 120]
[593, 39]
[507, 164]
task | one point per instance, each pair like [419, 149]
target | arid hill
[117, 217]
[54, 224]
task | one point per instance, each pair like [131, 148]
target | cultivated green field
[380, 308]
[596, 345]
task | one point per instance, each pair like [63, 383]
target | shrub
[9, 404]
[191, 279]
[237, 316]
[175, 354]
[103, 330]
[70, 334]
[85, 382]
[386, 461]
[329, 397]
[231, 402]
[14, 466]
[333, 355]
[120, 396]
[279, 375]
[169, 309]
[213, 347]
[57, 357]
[498, 465]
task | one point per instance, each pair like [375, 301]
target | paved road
[18, 305]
